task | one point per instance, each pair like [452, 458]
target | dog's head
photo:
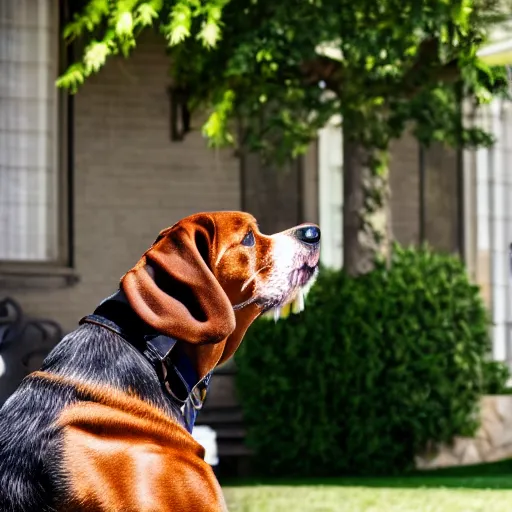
[208, 277]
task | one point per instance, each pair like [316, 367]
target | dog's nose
[308, 233]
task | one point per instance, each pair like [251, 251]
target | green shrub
[495, 375]
[371, 371]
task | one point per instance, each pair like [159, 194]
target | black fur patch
[30, 443]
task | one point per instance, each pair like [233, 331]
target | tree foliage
[273, 73]
[282, 69]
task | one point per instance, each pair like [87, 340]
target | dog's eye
[248, 240]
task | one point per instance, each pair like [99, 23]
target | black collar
[175, 371]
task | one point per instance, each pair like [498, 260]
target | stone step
[215, 416]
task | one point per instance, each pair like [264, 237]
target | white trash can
[207, 438]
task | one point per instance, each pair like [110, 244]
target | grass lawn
[474, 489]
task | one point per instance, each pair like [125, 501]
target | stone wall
[492, 442]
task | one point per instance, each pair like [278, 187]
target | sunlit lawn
[433, 493]
[318, 498]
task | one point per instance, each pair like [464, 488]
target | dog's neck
[174, 369]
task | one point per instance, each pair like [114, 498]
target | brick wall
[440, 194]
[441, 198]
[404, 182]
[130, 179]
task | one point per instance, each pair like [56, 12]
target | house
[87, 182]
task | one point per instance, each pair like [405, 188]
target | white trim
[330, 176]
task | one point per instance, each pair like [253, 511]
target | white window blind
[330, 169]
[28, 130]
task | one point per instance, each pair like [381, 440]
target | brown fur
[122, 454]
[216, 281]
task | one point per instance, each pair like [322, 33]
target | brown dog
[105, 425]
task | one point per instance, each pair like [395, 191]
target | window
[30, 180]
[489, 220]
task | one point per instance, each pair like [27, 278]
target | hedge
[375, 368]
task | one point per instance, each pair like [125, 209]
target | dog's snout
[308, 233]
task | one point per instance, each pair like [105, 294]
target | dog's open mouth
[301, 281]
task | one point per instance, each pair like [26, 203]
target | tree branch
[425, 71]
[323, 69]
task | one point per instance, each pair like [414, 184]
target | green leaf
[124, 24]
[180, 23]
[95, 56]
[209, 34]
[216, 126]
[72, 78]
[145, 14]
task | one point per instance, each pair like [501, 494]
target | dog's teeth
[298, 303]
[286, 310]
[295, 307]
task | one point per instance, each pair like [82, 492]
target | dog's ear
[173, 289]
